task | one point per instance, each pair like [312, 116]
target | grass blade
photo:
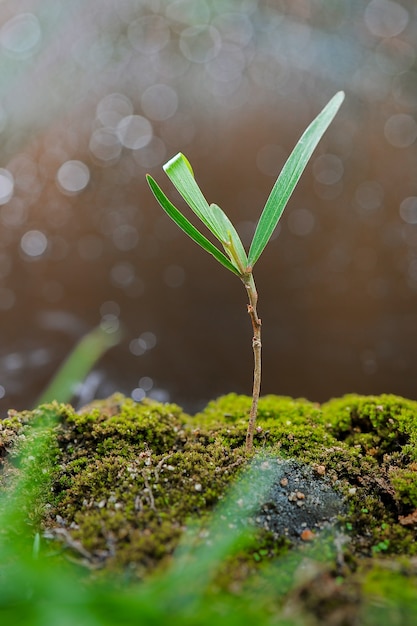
[230, 526]
[78, 364]
[187, 227]
[289, 177]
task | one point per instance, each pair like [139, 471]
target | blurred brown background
[95, 94]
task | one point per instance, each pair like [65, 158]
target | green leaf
[181, 175]
[289, 177]
[187, 227]
[179, 171]
[233, 245]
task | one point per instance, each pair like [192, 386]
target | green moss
[294, 427]
[379, 424]
[127, 477]
[366, 444]
[404, 483]
[383, 429]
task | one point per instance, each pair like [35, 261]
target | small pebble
[307, 535]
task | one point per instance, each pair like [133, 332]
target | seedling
[235, 258]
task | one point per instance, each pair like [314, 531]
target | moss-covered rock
[127, 477]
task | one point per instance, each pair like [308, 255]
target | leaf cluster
[233, 256]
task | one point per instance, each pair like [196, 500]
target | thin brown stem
[257, 346]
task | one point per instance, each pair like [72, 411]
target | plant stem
[257, 346]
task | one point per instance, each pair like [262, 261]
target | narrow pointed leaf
[187, 227]
[233, 246]
[289, 176]
[179, 171]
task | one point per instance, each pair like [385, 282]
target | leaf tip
[150, 181]
[171, 162]
[174, 160]
[338, 98]
[187, 163]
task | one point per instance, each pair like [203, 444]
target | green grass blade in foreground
[22, 491]
[187, 227]
[289, 177]
[196, 560]
[179, 171]
[78, 364]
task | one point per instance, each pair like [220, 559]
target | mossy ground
[128, 477]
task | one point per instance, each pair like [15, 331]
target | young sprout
[235, 258]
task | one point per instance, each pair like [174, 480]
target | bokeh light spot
[146, 383]
[151, 155]
[134, 131]
[105, 144]
[146, 341]
[137, 346]
[149, 338]
[6, 185]
[200, 44]
[21, 35]
[34, 243]
[328, 169]
[73, 176]
[408, 210]
[400, 130]
[159, 102]
[369, 195]
[125, 237]
[138, 394]
[385, 18]
[301, 222]
[122, 274]
[113, 108]
[110, 323]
